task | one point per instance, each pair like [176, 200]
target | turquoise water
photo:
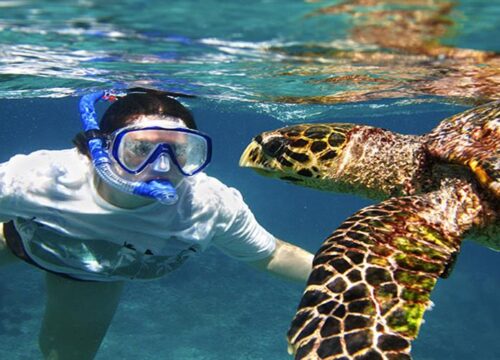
[254, 66]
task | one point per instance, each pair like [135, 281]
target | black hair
[138, 102]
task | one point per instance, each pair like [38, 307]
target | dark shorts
[15, 244]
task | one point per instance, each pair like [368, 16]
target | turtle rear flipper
[372, 278]
[472, 139]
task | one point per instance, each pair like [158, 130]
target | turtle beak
[263, 155]
[252, 156]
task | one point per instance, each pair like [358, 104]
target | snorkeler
[130, 202]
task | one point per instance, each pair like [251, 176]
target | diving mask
[138, 149]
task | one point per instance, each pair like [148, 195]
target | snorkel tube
[160, 190]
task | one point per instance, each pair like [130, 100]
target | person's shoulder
[46, 155]
[40, 165]
[214, 196]
[206, 185]
[45, 160]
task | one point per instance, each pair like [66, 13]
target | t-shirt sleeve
[5, 193]
[238, 234]
[21, 177]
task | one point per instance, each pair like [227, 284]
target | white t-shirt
[68, 228]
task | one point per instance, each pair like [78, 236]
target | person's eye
[142, 148]
[180, 150]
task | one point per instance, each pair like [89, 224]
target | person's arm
[240, 236]
[287, 261]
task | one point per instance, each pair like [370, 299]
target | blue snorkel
[160, 190]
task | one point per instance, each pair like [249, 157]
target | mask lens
[134, 150]
[191, 153]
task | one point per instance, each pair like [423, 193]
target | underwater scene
[251, 67]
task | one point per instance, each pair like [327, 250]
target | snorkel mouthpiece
[160, 190]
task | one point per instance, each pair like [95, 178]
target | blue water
[249, 67]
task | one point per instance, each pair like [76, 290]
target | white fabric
[67, 227]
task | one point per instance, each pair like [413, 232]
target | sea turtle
[372, 277]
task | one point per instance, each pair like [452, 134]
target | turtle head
[304, 154]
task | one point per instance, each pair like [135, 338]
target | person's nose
[162, 164]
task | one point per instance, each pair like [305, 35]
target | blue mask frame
[161, 148]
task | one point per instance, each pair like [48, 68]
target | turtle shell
[472, 139]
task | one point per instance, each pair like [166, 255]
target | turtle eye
[274, 147]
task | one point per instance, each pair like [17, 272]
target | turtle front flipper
[471, 138]
[372, 278]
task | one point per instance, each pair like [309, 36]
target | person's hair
[138, 102]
